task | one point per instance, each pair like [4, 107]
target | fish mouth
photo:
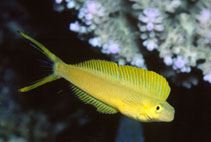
[168, 119]
[169, 116]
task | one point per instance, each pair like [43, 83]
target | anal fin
[101, 107]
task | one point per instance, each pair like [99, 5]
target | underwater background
[52, 113]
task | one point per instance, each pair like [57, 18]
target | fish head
[149, 110]
[159, 111]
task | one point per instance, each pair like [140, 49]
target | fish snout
[169, 116]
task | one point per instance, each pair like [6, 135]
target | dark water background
[52, 109]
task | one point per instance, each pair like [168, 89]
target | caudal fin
[44, 50]
[51, 56]
[40, 82]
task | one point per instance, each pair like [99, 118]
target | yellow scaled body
[136, 93]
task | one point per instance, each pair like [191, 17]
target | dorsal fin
[154, 84]
[101, 107]
[105, 68]
[151, 82]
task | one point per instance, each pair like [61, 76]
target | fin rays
[151, 82]
[101, 107]
[108, 69]
[140, 79]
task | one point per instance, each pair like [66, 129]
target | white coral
[181, 64]
[204, 27]
[181, 38]
[151, 19]
[207, 77]
[111, 47]
[151, 44]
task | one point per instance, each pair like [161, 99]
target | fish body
[111, 91]
[136, 93]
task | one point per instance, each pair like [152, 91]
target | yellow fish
[136, 93]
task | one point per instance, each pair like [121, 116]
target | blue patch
[129, 131]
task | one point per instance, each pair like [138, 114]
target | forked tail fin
[40, 82]
[51, 56]
[44, 50]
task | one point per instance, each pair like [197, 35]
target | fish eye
[158, 108]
